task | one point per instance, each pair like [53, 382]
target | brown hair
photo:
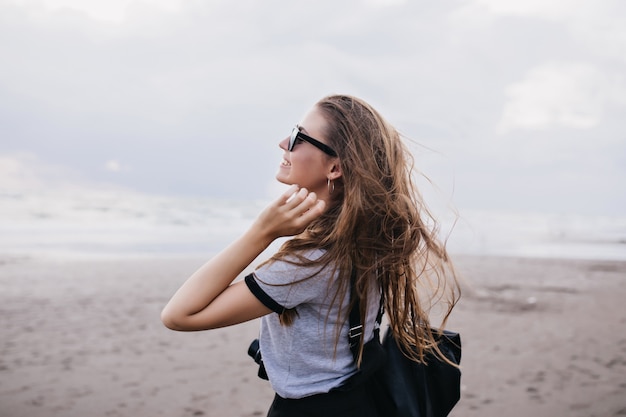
[378, 224]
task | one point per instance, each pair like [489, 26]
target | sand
[82, 337]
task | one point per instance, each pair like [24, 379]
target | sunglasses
[297, 134]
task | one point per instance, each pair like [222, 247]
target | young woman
[352, 207]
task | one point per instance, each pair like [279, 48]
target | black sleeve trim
[262, 295]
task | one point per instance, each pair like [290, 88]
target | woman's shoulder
[295, 267]
[303, 258]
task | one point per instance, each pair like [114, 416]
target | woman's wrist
[260, 236]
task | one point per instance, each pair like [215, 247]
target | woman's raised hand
[290, 214]
[207, 299]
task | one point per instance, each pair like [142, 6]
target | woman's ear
[335, 172]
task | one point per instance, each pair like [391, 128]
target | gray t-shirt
[301, 359]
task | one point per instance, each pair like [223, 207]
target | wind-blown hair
[377, 223]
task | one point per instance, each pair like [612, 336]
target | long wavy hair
[378, 224]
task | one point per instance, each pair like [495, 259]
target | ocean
[120, 223]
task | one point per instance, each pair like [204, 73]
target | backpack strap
[355, 334]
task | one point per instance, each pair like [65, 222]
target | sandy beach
[82, 337]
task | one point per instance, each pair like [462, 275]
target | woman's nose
[284, 144]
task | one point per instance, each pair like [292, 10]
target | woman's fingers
[292, 212]
[307, 207]
[288, 195]
[313, 211]
[296, 197]
[301, 201]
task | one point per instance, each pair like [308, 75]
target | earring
[330, 185]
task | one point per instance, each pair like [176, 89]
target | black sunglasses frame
[297, 134]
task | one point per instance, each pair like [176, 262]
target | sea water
[114, 222]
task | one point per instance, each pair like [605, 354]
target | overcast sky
[519, 104]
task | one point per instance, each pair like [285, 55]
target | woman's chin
[282, 178]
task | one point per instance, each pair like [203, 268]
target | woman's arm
[207, 299]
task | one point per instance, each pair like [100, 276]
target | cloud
[110, 11]
[115, 166]
[595, 24]
[551, 9]
[15, 172]
[558, 94]
[25, 171]
[385, 3]
[210, 87]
